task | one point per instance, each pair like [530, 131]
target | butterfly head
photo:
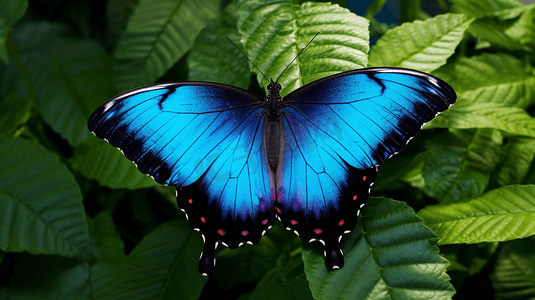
[274, 93]
[274, 87]
[273, 100]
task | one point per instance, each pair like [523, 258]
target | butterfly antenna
[296, 57]
[247, 58]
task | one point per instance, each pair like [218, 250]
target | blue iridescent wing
[337, 130]
[206, 139]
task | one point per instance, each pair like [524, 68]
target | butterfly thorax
[274, 101]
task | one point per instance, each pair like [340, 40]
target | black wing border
[448, 91]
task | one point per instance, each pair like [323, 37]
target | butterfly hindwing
[320, 195]
[232, 203]
[206, 140]
[337, 130]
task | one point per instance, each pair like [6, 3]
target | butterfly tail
[207, 260]
[334, 256]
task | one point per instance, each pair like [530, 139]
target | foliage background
[78, 221]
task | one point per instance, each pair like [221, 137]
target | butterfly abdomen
[273, 142]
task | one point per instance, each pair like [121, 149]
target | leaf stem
[409, 10]
[13, 50]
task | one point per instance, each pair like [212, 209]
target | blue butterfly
[239, 161]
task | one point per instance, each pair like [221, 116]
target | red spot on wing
[341, 223]
[355, 198]
[244, 233]
[279, 211]
[203, 219]
[318, 231]
[265, 222]
[364, 178]
[221, 232]
[190, 201]
[294, 222]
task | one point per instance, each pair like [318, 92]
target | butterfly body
[240, 161]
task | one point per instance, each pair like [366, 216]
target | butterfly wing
[337, 130]
[206, 139]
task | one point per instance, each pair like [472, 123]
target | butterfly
[239, 161]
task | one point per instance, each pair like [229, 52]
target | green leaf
[163, 265]
[274, 32]
[117, 14]
[48, 277]
[523, 30]
[401, 166]
[250, 263]
[109, 252]
[514, 270]
[213, 58]
[40, 202]
[158, 34]
[469, 258]
[271, 286]
[54, 277]
[98, 160]
[393, 257]
[459, 167]
[512, 120]
[421, 45]
[517, 157]
[14, 111]
[246, 264]
[10, 12]
[109, 246]
[493, 32]
[504, 23]
[297, 289]
[70, 76]
[485, 8]
[491, 78]
[502, 214]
